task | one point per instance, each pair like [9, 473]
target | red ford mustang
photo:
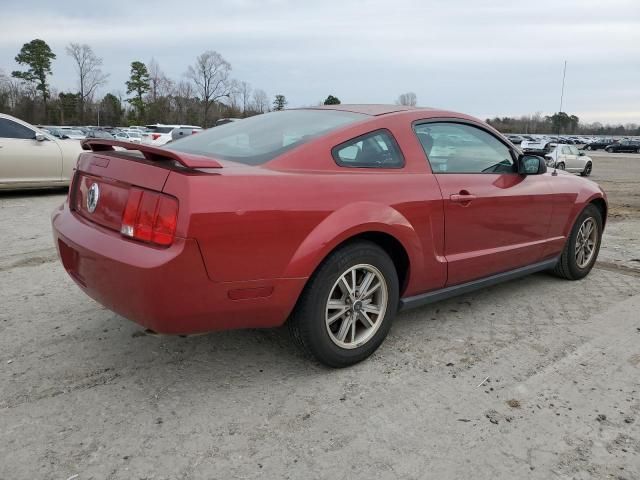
[330, 218]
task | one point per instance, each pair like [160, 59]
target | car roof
[367, 109]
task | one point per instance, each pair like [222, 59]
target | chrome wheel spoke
[366, 318]
[344, 329]
[337, 315]
[371, 309]
[372, 290]
[366, 283]
[346, 288]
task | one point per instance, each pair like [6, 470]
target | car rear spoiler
[151, 153]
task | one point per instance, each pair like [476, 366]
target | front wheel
[587, 170]
[560, 166]
[609, 150]
[582, 247]
[588, 147]
[346, 309]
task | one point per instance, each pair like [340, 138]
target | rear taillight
[193, 132]
[155, 136]
[150, 217]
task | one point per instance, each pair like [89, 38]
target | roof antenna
[555, 162]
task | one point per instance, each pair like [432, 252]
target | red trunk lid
[113, 174]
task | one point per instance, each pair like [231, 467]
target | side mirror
[40, 137]
[531, 165]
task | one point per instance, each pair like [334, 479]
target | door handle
[462, 197]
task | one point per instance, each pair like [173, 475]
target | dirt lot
[538, 378]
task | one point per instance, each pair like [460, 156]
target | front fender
[347, 222]
[585, 197]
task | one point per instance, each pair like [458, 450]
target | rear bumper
[165, 290]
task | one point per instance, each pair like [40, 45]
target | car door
[495, 219]
[570, 160]
[575, 159]
[23, 159]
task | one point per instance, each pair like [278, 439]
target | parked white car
[539, 146]
[160, 134]
[31, 158]
[129, 136]
[569, 158]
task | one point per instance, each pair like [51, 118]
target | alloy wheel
[356, 306]
[586, 241]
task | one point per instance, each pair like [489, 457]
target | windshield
[258, 139]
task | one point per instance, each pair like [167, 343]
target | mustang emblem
[93, 195]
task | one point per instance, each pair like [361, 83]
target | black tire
[567, 266]
[587, 170]
[588, 147]
[307, 324]
[560, 166]
[609, 150]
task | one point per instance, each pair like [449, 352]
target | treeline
[206, 92]
[559, 122]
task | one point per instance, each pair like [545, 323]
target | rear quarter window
[377, 149]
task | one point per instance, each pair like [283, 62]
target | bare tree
[210, 74]
[245, 95]
[260, 101]
[409, 99]
[90, 76]
[182, 97]
[160, 84]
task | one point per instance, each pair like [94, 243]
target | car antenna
[555, 162]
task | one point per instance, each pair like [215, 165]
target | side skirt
[448, 292]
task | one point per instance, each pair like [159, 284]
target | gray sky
[480, 57]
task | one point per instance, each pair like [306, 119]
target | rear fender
[348, 222]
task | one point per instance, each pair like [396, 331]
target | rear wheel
[609, 150]
[588, 147]
[582, 247]
[560, 166]
[587, 170]
[346, 309]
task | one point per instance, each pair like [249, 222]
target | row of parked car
[543, 144]
[158, 134]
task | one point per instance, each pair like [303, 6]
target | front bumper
[165, 290]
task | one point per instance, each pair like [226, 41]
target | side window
[566, 151]
[373, 150]
[9, 129]
[461, 148]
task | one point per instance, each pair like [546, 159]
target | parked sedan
[629, 146]
[331, 218]
[599, 143]
[31, 158]
[569, 158]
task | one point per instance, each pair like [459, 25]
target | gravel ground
[537, 378]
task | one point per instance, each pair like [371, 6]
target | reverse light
[150, 217]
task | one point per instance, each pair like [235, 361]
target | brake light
[193, 132]
[155, 136]
[150, 217]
